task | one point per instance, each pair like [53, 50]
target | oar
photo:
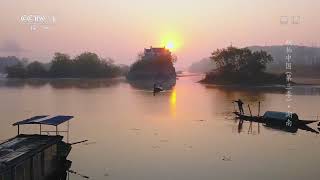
[78, 142]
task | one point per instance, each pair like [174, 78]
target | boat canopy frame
[46, 120]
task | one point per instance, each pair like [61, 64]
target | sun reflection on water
[173, 102]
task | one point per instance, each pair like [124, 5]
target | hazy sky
[120, 29]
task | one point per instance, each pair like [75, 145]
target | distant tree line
[85, 65]
[305, 60]
[10, 61]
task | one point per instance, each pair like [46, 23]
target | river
[186, 133]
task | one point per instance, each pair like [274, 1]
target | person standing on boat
[240, 105]
[154, 89]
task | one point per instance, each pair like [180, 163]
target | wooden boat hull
[279, 124]
[63, 149]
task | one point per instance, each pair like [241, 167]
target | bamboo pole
[249, 110]
[259, 110]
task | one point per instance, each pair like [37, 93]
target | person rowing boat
[156, 89]
[240, 105]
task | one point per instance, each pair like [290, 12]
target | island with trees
[241, 66]
[85, 65]
[155, 65]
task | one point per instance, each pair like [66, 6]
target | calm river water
[186, 133]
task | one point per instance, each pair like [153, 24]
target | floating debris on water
[135, 129]
[200, 120]
[164, 140]
[188, 146]
[106, 172]
[225, 158]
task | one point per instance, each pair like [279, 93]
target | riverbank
[238, 78]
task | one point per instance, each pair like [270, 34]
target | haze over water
[120, 29]
[183, 134]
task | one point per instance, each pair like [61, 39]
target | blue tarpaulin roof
[276, 115]
[30, 120]
[54, 121]
[279, 115]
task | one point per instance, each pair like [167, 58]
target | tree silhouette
[241, 66]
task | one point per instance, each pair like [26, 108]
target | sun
[170, 46]
[171, 41]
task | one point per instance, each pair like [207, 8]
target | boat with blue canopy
[283, 121]
[36, 156]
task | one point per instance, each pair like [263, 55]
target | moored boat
[35, 156]
[279, 120]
